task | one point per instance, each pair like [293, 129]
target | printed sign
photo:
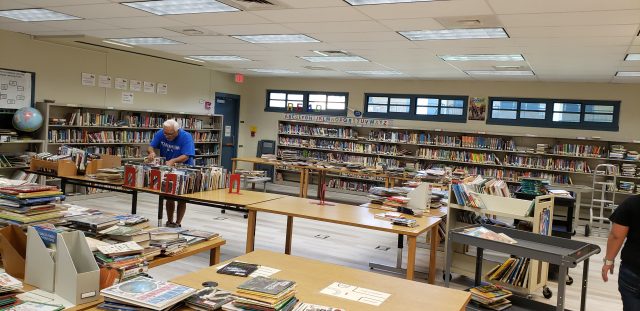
[339, 120]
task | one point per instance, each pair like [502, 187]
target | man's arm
[151, 153]
[181, 159]
[616, 238]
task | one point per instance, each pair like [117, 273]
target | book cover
[121, 249]
[201, 234]
[238, 268]
[209, 299]
[148, 293]
[266, 285]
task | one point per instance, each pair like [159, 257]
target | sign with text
[338, 120]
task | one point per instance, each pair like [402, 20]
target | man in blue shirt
[176, 146]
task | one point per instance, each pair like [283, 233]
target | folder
[40, 265]
[77, 273]
[13, 247]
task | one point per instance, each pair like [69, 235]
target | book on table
[121, 249]
[268, 294]
[201, 234]
[238, 269]
[148, 293]
[209, 299]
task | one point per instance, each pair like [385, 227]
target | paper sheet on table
[355, 293]
[263, 271]
[38, 295]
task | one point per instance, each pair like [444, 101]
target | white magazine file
[77, 273]
[39, 265]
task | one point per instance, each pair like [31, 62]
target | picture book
[148, 293]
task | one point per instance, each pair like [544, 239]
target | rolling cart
[562, 252]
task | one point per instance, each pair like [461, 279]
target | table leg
[479, 259]
[63, 185]
[160, 209]
[287, 246]
[302, 183]
[432, 255]
[585, 277]
[251, 231]
[134, 202]
[411, 256]
[214, 256]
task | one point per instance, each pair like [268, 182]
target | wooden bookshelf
[19, 147]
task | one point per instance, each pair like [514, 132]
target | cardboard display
[13, 247]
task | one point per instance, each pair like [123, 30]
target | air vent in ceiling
[318, 68]
[332, 53]
[193, 31]
[481, 21]
[255, 5]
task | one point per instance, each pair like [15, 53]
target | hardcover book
[266, 285]
[238, 268]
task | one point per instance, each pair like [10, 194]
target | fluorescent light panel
[455, 34]
[172, 7]
[483, 57]
[500, 72]
[221, 58]
[262, 70]
[194, 60]
[366, 2]
[632, 56]
[628, 74]
[334, 59]
[299, 38]
[36, 15]
[117, 43]
[145, 41]
[374, 72]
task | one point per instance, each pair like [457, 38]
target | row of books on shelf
[85, 136]
[313, 130]
[343, 146]
[204, 137]
[121, 151]
[208, 161]
[508, 174]
[579, 150]
[569, 165]
[457, 155]
[338, 157]
[514, 271]
[13, 160]
[142, 120]
[182, 180]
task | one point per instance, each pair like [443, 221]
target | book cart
[463, 263]
[563, 252]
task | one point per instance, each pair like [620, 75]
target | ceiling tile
[574, 31]
[205, 39]
[253, 29]
[351, 26]
[550, 6]
[312, 15]
[12, 5]
[407, 24]
[79, 25]
[141, 22]
[358, 36]
[115, 33]
[301, 4]
[54, 3]
[427, 9]
[225, 18]
[373, 45]
[572, 19]
[233, 47]
[26, 27]
[110, 10]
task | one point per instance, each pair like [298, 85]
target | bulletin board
[17, 89]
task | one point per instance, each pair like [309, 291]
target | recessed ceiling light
[365, 2]
[194, 60]
[374, 72]
[632, 56]
[336, 59]
[454, 34]
[117, 43]
[483, 57]
[276, 38]
[221, 58]
[628, 74]
[262, 70]
[145, 41]
[36, 15]
[500, 72]
[170, 7]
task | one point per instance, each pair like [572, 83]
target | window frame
[548, 122]
[305, 102]
[413, 104]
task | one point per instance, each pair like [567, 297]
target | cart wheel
[223, 211]
[245, 216]
[546, 292]
[444, 278]
[529, 296]
[573, 233]
[587, 230]
[569, 280]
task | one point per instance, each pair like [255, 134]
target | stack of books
[542, 148]
[628, 169]
[632, 155]
[30, 204]
[514, 271]
[265, 294]
[491, 297]
[120, 262]
[289, 155]
[168, 240]
[627, 186]
[396, 202]
[91, 225]
[110, 174]
[144, 293]
[617, 152]
[9, 288]
[209, 299]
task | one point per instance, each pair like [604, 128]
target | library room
[319, 155]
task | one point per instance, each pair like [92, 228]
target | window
[552, 113]
[417, 107]
[325, 103]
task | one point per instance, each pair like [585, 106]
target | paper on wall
[149, 87]
[359, 294]
[122, 84]
[127, 98]
[135, 85]
[104, 81]
[161, 88]
[88, 79]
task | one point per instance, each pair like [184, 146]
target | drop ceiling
[567, 40]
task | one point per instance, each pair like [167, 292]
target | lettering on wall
[338, 120]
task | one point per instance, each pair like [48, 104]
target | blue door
[228, 105]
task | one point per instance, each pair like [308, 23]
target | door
[228, 105]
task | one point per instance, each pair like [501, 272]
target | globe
[27, 119]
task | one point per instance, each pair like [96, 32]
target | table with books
[304, 179]
[350, 215]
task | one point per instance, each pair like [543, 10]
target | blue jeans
[629, 287]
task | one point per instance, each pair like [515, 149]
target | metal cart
[562, 252]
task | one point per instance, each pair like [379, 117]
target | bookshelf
[125, 133]
[11, 150]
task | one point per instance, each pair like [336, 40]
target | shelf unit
[19, 147]
[125, 132]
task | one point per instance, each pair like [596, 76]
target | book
[34, 306]
[164, 233]
[303, 306]
[120, 249]
[95, 222]
[9, 283]
[208, 299]
[202, 234]
[484, 233]
[266, 285]
[238, 268]
[148, 293]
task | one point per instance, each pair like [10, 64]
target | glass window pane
[282, 96]
[532, 115]
[433, 102]
[566, 117]
[605, 118]
[377, 108]
[400, 101]
[451, 111]
[451, 103]
[566, 107]
[508, 105]
[378, 100]
[317, 98]
[296, 97]
[402, 109]
[318, 105]
[294, 104]
[533, 106]
[504, 114]
[277, 103]
[336, 99]
[428, 111]
[336, 106]
[598, 109]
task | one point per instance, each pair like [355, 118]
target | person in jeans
[625, 225]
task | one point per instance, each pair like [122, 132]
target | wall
[254, 93]
[58, 70]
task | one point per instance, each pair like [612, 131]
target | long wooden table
[350, 215]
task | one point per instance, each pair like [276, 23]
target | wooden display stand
[516, 209]
[59, 168]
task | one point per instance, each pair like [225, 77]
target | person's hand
[151, 156]
[170, 163]
[606, 269]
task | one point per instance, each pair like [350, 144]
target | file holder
[77, 273]
[40, 266]
[13, 247]
[420, 198]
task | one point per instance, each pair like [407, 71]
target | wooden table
[349, 215]
[311, 276]
[304, 178]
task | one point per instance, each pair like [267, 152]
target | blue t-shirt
[181, 145]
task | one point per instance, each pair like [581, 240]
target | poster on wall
[135, 85]
[88, 79]
[122, 84]
[149, 87]
[16, 89]
[477, 108]
[162, 88]
[127, 98]
[104, 81]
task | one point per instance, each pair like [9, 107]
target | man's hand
[151, 156]
[170, 163]
[606, 269]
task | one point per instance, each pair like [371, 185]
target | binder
[40, 265]
[13, 247]
[77, 273]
